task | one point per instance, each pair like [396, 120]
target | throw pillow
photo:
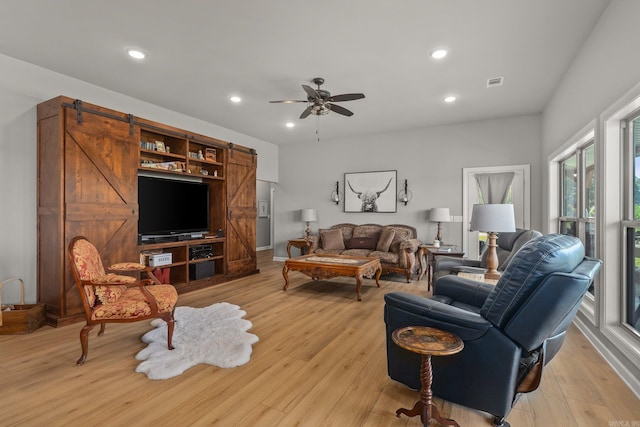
[363, 243]
[332, 239]
[386, 237]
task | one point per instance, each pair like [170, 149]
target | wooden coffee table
[321, 266]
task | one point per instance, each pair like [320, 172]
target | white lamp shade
[308, 215]
[494, 218]
[439, 215]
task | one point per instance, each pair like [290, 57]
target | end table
[430, 253]
[302, 244]
[427, 342]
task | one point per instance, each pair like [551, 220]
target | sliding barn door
[241, 213]
[87, 186]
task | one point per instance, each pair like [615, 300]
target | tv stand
[185, 254]
[85, 149]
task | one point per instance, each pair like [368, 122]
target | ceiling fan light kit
[320, 102]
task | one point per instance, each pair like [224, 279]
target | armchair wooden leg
[170, 324]
[102, 326]
[84, 342]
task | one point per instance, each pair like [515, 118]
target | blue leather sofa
[510, 330]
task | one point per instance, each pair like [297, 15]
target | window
[577, 215]
[631, 223]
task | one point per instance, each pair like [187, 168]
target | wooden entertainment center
[89, 158]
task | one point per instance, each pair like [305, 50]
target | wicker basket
[20, 318]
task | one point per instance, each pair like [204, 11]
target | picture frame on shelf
[160, 146]
[370, 191]
[210, 154]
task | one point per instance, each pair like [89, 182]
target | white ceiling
[201, 52]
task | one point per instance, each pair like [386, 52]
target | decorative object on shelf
[493, 218]
[370, 191]
[308, 215]
[160, 146]
[439, 215]
[210, 154]
[405, 195]
[336, 195]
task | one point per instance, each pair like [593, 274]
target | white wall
[604, 70]
[431, 159]
[22, 87]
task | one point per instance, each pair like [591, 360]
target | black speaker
[201, 270]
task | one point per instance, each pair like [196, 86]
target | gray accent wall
[431, 159]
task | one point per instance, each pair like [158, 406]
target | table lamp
[493, 218]
[308, 215]
[439, 215]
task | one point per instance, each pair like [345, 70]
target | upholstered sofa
[395, 245]
[508, 245]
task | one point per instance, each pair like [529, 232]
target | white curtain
[494, 187]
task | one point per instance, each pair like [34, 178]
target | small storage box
[22, 318]
[157, 260]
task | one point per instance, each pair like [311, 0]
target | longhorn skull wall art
[370, 191]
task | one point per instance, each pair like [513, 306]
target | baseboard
[616, 364]
[280, 258]
[264, 248]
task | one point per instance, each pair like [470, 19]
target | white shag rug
[215, 335]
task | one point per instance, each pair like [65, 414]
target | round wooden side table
[427, 342]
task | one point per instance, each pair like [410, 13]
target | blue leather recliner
[510, 330]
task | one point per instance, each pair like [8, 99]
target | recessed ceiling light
[439, 53]
[136, 53]
[235, 99]
[449, 99]
[290, 124]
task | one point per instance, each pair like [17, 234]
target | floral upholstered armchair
[109, 297]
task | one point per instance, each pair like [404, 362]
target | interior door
[241, 212]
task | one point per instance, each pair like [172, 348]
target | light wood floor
[320, 361]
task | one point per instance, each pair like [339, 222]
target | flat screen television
[171, 207]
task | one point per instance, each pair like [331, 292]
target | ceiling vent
[495, 81]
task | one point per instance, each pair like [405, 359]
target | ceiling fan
[321, 101]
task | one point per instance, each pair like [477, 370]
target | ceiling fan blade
[306, 112]
[311, 92]
[346, 97]
[286, 101]
[338, 109]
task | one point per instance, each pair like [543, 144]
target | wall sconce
[405, 195]
[336, 196]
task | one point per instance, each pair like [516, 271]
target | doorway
[264, 221]
[518, 193]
